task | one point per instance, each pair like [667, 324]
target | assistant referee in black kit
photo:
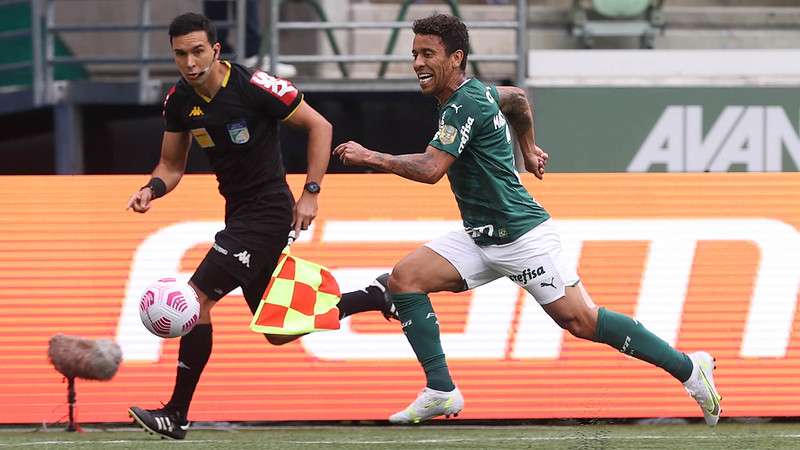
[233, 114]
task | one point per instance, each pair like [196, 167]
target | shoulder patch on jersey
[281, 89]
[447, 134]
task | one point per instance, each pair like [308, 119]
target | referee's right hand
[140, 201]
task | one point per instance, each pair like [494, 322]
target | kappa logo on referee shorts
[243, 257]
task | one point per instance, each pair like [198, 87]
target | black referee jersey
[237, 129]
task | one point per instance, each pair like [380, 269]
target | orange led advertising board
[706, 261]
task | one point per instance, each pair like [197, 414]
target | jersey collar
[224, 82]
[444, 104]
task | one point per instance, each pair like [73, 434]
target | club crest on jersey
[447, 134]
[238, 132]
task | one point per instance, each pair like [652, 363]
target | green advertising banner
[676, 129]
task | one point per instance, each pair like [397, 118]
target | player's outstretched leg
[164, 422]
[694, 370]
[431, 403]
[701, 387]
[576, 313]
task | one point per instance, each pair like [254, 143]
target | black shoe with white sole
[160, 422]
[389, 310]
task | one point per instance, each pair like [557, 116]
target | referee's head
[189, 22]
[195, 48]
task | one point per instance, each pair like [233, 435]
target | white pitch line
[538, 438]
[121, 441]
[418, 441]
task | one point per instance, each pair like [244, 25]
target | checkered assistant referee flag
[301, 298]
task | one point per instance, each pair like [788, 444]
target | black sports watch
[312, 188]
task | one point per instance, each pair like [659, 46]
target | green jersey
[495, 207]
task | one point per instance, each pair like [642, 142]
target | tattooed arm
[428, 167]
[515, 107]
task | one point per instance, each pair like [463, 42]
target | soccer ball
[168, 308]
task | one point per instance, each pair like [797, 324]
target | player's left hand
[541, 162]
[351, 153]
[305, 210]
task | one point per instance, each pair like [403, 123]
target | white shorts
[533, 261]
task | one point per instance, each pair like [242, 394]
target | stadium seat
[617, 18]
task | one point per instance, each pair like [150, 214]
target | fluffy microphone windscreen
[90, 359]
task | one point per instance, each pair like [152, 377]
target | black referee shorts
[245, 253]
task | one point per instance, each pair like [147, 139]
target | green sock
[630, 337]
[421, 328]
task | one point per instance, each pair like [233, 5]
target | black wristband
[157, 186]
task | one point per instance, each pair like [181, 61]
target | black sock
[368, 299]
[193, 354]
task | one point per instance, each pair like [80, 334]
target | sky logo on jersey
[238, 132]
[282, 89]
[196, 112]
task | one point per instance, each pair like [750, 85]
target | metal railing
[275, 26]
[149, 92]
[44, 29]
[34, 33]
[68, 98]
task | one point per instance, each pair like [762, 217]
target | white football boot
[701, 387]
[431, 403]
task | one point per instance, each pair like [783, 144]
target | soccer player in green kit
[506, 232]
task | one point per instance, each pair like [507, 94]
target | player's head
[194, 46]
[441, 46]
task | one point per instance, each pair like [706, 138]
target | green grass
[727, 436]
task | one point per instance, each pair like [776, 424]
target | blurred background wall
[597, 77]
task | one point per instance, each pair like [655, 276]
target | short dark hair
[189, 22]
[450, 29]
